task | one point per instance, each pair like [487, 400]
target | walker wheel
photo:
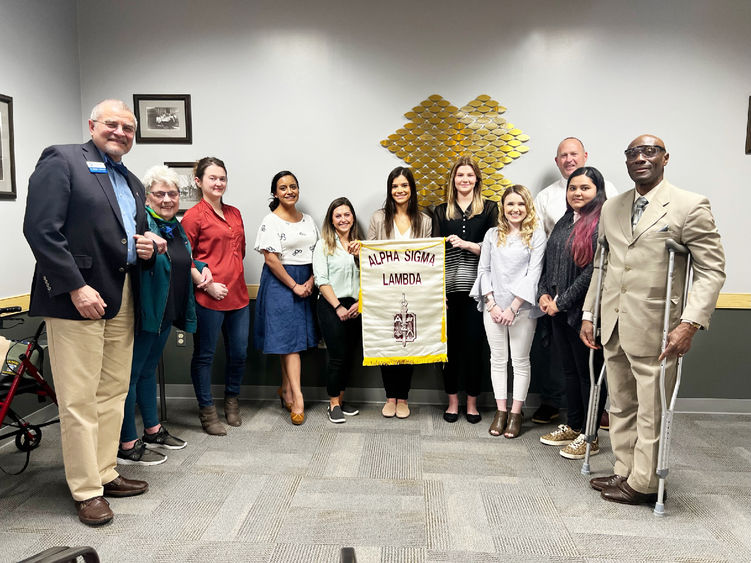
[28, 438]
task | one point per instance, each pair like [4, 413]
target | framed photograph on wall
[189, 192]
[163, 118]
[7, 158]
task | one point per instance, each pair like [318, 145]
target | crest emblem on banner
[405, 324]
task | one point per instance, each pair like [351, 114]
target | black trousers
[572, 356]
[397, 380]
[466, 338]
[547, 377]
[343, 342]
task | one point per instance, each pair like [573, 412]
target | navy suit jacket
[75, 230]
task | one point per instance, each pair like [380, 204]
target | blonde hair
[477, 203]
[529, 224]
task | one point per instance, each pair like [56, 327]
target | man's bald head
[646, 158]
[570, 156]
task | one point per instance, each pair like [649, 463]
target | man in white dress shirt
[550, 205]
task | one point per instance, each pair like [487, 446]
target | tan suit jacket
[634, 285]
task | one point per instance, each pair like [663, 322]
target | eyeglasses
[647, 150]
[113, 125]
[173, 194]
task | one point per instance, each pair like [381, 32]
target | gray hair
[160, 174]
[96, 112]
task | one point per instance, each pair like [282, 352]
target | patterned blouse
[293, 242]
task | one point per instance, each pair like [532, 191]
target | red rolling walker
[22, 372]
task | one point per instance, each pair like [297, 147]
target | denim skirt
[284, 323]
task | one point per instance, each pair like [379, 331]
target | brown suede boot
[232, 411]
[210, 421]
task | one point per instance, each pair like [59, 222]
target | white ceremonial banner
[403, 301]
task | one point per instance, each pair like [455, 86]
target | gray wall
[314, 86]
[39, 69]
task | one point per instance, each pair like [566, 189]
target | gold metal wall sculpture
[437, 133]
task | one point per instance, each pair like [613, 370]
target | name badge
[96, 167]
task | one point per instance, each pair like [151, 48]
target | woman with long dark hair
[400, 219]
[463, 220]
[284, 321]
[217, 235]
[507, 277]
[337, 275]
[563, 285]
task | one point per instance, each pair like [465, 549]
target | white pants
[519, 337]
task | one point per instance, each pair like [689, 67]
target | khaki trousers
[635, 412]
[90, 363]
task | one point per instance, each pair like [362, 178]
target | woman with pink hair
[566, 274]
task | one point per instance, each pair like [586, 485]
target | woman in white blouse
[337, 275]
[399, 219]
[506, 287]
[284, 321]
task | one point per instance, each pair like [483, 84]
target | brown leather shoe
[122, 487]
[624, 494]
[514, 426]
[599, 483]
[94, 511]
[605, 421]
[232, 411]
[498, 424]
[210, 421]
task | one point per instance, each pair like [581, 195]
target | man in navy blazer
[85, 222]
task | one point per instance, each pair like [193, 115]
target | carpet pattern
[398, 491]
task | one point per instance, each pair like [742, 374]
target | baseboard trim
[438, 397]
[713, 406]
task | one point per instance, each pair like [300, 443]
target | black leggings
[343, 342]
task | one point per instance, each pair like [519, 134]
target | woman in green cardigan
[166, 299]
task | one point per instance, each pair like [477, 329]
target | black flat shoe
[450, 416]
[474, 418]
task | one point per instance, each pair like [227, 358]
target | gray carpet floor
[414, 490]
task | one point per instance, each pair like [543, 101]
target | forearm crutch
[673, 248]
[594, 386]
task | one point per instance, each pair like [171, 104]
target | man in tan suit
[636, 225]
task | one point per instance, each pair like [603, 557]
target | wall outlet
[180, 338]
